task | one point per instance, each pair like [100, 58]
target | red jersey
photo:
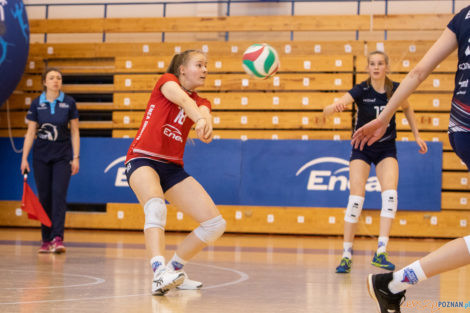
[164, 129]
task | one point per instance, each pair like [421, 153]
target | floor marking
[243, 277]
[96, 282]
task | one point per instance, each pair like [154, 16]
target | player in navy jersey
[154, 169]
[371, 96]
[56, 153]
[388, 290]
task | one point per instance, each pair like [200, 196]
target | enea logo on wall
[121, 179]
[332, 174]
[264, 173]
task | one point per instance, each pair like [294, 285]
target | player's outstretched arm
[206, 133]
[369, 133]
[173, 92]
[410, 117]
[339, 105]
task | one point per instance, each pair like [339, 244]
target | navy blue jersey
[53, 117]
[460, 109]
[369, 105]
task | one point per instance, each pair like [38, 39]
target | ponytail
[388, 87]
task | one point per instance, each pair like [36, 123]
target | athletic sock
[406, 277]
[347, 250]
[156, 262]
[176, 263]
[382, 245]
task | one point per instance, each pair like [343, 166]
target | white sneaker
[188, 284]
[165, 279]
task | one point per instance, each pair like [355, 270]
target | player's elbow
[419, 74]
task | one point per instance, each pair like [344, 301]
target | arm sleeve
[167, 77]
[32, 114]
[356, 92]
[457, 20]
[73, 111]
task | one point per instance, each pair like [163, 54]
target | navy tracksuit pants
[52, 174]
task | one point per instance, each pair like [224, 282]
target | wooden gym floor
[107, 271]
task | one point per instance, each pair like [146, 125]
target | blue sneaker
[344, 266]
[381, 260]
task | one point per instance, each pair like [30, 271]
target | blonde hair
[388, 85]
[180, 59]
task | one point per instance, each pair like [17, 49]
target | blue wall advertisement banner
[292, 173]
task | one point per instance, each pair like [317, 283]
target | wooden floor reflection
[109, 272]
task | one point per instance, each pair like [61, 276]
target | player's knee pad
[354, 208]
[210, 230]
[389, 203]
[467, 241]
[155, 213]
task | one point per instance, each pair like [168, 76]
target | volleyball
[260, 61]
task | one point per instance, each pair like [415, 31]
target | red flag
[30, 204]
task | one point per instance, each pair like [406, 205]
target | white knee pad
[211, 229]
[467, 241]
[155, 213]
[354, 208]
[389, 203]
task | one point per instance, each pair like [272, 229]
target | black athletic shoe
[387, 302]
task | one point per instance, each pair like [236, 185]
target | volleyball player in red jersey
[155, 169]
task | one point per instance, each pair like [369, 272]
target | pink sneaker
[57, 245]
[46, 247]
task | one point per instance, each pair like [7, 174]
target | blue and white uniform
[370, 103]
[52, 154]
[459, 122]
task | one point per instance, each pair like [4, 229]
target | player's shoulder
[166, 77]
[35, 104]
[460, 20]
[364, 86]
[35, 101]
[464, 13]
[68, 99]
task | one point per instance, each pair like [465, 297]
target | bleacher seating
[402, 22]
[226, 64]
[406, 61]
